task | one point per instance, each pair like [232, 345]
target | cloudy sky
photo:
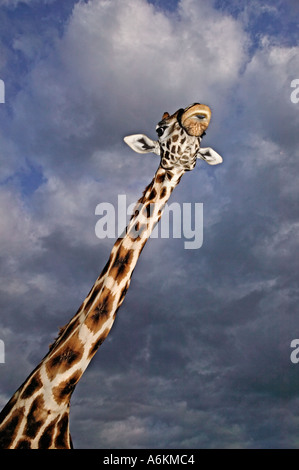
[199, 356]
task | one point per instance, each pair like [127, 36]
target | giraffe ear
[140, 143]
[210, 156]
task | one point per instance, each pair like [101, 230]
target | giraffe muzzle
[196, 119]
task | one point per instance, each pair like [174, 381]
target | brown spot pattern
[67, 355]
[152, 194]
[160, 177]
[23, 444]
[46, 439]
[101, 311]
[147, 212]
[95, 346]
[63, 438]
[92, 297]
[9, 431]
[121, 264]
[64, 390]
[35, 417]
[8, 407]
[32, 386]
[163, 193]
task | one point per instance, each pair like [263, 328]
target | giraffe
[37, 415]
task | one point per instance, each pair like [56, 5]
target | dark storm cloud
[199, 355]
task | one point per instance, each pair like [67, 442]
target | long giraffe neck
[37, 416]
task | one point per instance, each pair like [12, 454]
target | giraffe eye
[201, 116]
[160, 131]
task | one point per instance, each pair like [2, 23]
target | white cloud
[265, 94]
[119, 66]
[17, 233]
[142, 57]
[28, 44]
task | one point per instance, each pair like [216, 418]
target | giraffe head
[179, 137]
